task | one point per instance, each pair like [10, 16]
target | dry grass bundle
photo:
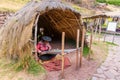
[56, 17]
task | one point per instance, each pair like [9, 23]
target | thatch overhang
[113, 14]
[95, 16]
[17, 30]
[104, 15]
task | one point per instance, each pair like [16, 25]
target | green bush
[85, 51]
[114, 2]
[101, 1]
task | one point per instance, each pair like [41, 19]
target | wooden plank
[77, 47]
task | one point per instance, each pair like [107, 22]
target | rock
[94, 78]
[109, 75]
[105, 64]
[110, 79]
[110, 69]
[104, 68]
[114, 72]
[100, 71]
[101, 79]
[118, 78]
[99, 75]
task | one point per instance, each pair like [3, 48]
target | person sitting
[43, 46]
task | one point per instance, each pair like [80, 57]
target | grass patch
[30, 65]
[85, 51]
[12, 5]
[88, 33]
[99, 51]
[35, 68]
[110, 43]
[94, 43]
[4, 63]
[8, 70]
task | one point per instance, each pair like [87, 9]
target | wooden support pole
[100, 26]
[63, 41]
[77, 47]
[105, 36]
[96, 29]
[113, 37]
[91, 38]
[82, 46]
[35, 37]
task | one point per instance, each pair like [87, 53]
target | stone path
[110, 69]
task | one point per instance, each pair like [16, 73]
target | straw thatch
[96, 16]
[103, 15]
[113, 14]
[54, 16]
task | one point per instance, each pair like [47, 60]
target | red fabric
[56, 64]
[42, 47]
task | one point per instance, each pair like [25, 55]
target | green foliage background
[114, 2]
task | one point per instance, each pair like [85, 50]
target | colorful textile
[55, 65]
[43, 47]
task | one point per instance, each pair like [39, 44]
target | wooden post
[63, 41]
[113, 37]
[82, 45]
[105, 36]
[77, 47]
[100, 26]
[35, 37]
[91, 38]
[96, 29]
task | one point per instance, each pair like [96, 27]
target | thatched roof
[98, 14]
[54, 15]
[95, 16]
[104, 15]
[113, 14]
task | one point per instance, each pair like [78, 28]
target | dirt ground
[88, 67]
[83, 73]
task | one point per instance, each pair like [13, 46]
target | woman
[42, 46]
